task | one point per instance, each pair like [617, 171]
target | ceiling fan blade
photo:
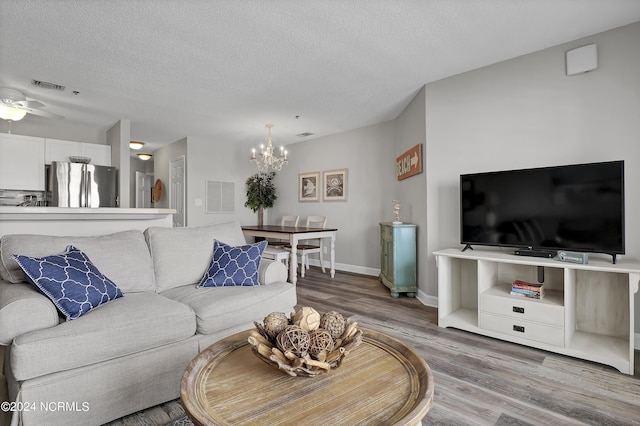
[14, 99]
[42, 113]
[31, 104]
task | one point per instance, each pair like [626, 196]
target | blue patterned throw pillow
[233, 266]
[70, 280]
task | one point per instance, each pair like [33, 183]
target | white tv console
[587, 311]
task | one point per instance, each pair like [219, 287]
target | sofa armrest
[23, 309]
[272, 271]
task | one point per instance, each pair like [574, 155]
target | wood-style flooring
[478, 380]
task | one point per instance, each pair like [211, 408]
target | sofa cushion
[233, 266]
[181, 256]
[134, 323]
[70, 280]
[123, 257]
[220, 308]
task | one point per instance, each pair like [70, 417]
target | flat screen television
[540, 211]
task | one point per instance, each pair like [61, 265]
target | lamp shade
[11, 113]
[144, 157]
[136, 145]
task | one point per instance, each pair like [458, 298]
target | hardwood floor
[478, 380]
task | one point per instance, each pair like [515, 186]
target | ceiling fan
[14, 105]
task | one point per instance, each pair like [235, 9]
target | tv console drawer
[522, 308]
[524, 329]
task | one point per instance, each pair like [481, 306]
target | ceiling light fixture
[267, 162]
[11, 113]
[136, 145]
[144, 157]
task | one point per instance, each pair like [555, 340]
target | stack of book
[524, 289]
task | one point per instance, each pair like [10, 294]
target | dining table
[294, 234]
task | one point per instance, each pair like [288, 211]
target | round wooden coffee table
[382, 381]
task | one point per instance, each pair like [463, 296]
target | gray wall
[368, 154]
[118, 136]
[161, 159]
[526, 112]
[222, 162]
[411, 192]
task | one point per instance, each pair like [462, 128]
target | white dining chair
[276, 253]
[275, 249]
[287, 220]
[307, 247]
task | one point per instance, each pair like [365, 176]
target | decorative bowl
[78, 159]
[306, 343]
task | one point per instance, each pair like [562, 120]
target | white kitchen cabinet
[60, 150]
[100, 154]
[21, 162]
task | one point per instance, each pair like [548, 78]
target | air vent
[305, 134]
[46, 85]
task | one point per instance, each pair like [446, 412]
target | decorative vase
[261, 215]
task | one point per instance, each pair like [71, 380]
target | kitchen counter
[75, 213]
[79, 221]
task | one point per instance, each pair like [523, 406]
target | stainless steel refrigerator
[81, 185]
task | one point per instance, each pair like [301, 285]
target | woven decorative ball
[334, 323]
[320, 340]
[293, 339]
[307, 318]
[274, 323]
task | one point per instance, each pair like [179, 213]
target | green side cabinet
[398, 258]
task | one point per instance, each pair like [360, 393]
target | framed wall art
[309, 186]
[335, 185]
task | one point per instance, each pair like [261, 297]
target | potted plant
[261, 193]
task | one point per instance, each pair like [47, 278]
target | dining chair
[275, 249]
[307, 247]
[285, 221]
[276, 253]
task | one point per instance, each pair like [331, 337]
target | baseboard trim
[348, 268]
[427, 300]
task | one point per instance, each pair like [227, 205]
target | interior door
[144, 183]
[177, 185]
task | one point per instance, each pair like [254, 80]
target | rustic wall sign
[409, 163]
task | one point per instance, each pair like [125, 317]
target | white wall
[118, 136]
[526, 112]
[161, 159]
[369, 154]
[217, 161]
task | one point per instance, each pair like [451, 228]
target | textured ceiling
[222, 69]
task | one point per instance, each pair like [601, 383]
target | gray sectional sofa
[130, 353]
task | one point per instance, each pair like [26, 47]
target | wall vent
[46, 85]
[220, 197]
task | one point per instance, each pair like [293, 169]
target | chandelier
[267, 161]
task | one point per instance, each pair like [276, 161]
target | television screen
[575, 207]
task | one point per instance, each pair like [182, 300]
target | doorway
[144, 184]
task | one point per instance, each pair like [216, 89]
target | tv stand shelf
[587, 311]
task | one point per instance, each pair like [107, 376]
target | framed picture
[309, 186]
[335, 185]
